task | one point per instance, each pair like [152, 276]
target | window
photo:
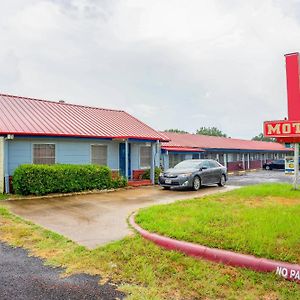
[213, 164]
[99, 155]
[145, 157]
[205, 164]
[44, 154]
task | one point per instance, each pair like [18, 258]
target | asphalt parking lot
[261, 176]
[25, 277]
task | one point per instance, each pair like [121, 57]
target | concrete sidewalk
[97, 219]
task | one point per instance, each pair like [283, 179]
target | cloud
[171, 63]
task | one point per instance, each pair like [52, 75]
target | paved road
[262, 176]
[26, 278]
[97, 219]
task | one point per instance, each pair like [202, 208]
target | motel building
[235, 154]
[34, 131]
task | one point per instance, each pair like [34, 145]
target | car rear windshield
[188, 164]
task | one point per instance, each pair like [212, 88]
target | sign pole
[296, 165]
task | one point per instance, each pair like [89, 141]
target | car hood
[179, 171]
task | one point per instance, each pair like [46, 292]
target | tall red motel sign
[288, 131]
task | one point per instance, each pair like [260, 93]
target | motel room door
[122, 162]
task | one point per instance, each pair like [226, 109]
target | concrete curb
[286, 270]
[65, 195]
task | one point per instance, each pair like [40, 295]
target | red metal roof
[28, 116]
[213, 142]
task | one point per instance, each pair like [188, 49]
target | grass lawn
[144, 270]
[3, 197]
[262, 220]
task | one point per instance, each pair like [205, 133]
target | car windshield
[188, 164]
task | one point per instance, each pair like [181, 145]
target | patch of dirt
[286, 201]
[230, 271]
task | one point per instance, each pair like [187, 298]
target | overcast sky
[171, 63]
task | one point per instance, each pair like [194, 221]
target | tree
[175, 130]
[261, 137]
[212, 131]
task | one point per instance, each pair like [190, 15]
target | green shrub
[45, 179]
[146, 175]
[119, 182]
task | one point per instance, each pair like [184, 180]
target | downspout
[126, 159]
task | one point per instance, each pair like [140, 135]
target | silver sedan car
[193, 173]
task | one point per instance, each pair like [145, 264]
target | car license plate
[168, 181]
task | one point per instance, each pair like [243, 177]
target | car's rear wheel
[166, 187]
[196, 183]
[222, 181]
[268, 168]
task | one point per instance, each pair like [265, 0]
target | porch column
[1, 165]
[248, 161]
[126, 159]
[157, 154]
[152, 169]
[243, 159]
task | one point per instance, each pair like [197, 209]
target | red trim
[221, 256]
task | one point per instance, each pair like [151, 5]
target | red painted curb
[286, 270]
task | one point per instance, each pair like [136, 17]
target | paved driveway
[97, 219]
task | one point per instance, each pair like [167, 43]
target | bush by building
[46, 179]
[146, 175]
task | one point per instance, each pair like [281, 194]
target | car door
[215, 172]
[205, 173]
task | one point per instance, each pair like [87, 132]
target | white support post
[126, 159]
[2, 165]
[152, 169]
[296, 166]
[225, 160]
[243, 160]
[248, 161]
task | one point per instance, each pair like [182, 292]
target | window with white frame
[175, 158]
[99, 155]
[44, 154]
[145, 156]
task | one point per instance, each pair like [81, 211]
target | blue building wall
[68, 151]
